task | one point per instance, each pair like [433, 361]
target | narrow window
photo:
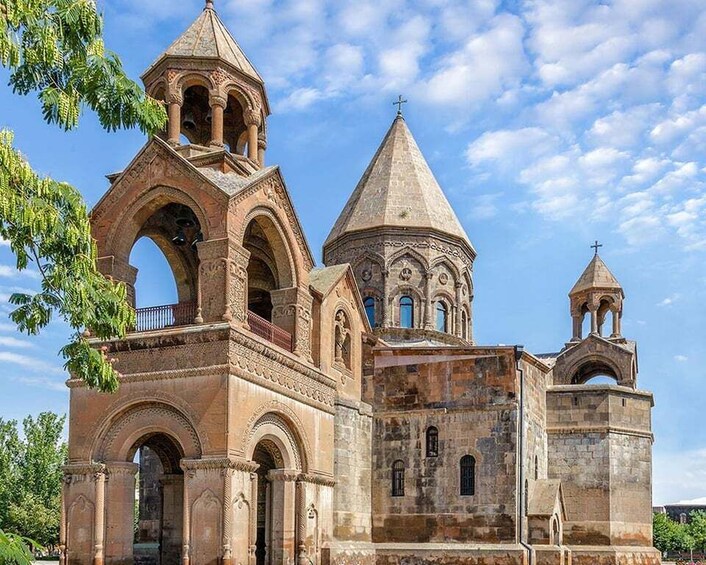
[370, 310]
[464, 325]
[398, 478]
[441, 317]
[432, 442]
[536, 468]
[468, 475]
[406, 312]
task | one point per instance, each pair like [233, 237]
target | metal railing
[270, 332]
[160, 317]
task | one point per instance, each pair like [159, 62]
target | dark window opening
[432, 442]
[369, 304]
[398, 478]
[468, 475]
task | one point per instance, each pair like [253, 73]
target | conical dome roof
[596, 276]
[208, 38]
[398, 190]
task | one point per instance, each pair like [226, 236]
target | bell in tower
[214, 96]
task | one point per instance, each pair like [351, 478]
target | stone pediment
[595, 356]
[332, 281]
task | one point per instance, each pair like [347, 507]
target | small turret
[596, 292]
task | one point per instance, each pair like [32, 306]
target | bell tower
[215, 97]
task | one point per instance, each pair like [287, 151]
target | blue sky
[548, 123]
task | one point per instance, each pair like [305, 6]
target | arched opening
[467, 468]
[442, 315]
[270, 502]
[159, 496]
[152, 265]
[342, 340]
[556, 531]
[235, 132]
[369, 304]
[595, 372]
[432, 442]
[406, 312]
[603, 309]
[196, 115]
[168, 237]
[464, 324]
[585, 324]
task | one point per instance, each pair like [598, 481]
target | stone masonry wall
[470, 397]
[352, 462]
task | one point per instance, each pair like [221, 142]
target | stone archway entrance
[269, 541]
[159, 501]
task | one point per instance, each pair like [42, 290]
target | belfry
[281, 413]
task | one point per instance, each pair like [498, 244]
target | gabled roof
[546, 498]
[209, 38]
[598, 276]
[324, 280]
[398, 189]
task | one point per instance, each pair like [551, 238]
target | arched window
[441, 317]
[464, 325]
[406, 312]
[432, 442]
[536, 468]
[369, 304]
[398, 478]
[468, 475]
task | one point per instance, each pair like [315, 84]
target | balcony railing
[269, 331]
[168, 316]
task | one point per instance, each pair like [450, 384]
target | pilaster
[291, 311]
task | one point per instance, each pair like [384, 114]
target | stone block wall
[352, 469]
[470, 396]
[600, 447]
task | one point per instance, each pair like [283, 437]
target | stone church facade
[281, 413]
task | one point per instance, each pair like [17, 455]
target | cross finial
[399, 103]
[209, 4]
[596, 246]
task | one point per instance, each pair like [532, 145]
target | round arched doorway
[159, 500]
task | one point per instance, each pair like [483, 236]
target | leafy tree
[31, 481]
[664, 533]
[697, 529]
[15, 550]
[55, 48]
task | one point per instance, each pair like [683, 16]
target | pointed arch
[446, 262]
[395, 257]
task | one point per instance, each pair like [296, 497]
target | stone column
[218, 106]
[428, 312]
[615, 311]
[120, 508]
[291, 311]
[459, 309]
[99, 524]
[261, 148]
[227, 515]
[118, 269]
[186, 520]
[62, 523]
[300, 503]
[252, 121]
[282, 522]
[172, 519]
[593, 309]
[387, 309]
[577, 329]
[174, 125]
[222, 285]
[252, 559]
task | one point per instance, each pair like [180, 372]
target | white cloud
[30, 362]
[681, 358]
[669, 300]
[9, 341]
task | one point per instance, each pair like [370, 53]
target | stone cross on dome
[209, 4]
[596, 246]
[399, 103]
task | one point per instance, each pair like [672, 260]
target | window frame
[368, 304]
[403, 307]
[398, 471]
[467, 475]
[440, 308]
[432, 441]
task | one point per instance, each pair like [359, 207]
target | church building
[287, 414]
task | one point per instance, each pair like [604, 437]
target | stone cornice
[618, 430]
[316, 479]
[218, 464]
[162, 375]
